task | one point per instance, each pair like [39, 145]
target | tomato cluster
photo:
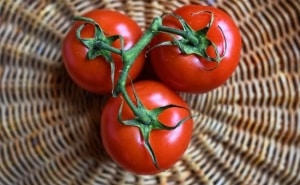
[146, 126]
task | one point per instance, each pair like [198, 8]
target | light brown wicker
[248, 131]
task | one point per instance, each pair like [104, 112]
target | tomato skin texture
[95, 75]
[191, 73]
[124, 144]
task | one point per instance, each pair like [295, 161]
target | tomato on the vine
[192, 73]
[125, 144]
[95, 75]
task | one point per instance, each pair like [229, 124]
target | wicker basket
[248, 132]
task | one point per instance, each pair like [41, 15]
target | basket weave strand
[247, 131]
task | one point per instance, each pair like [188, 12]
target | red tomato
[191, 73]
[124, 144]
[95, 75]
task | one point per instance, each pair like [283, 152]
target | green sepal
[146, 130]
[157, 125]
[139, 103]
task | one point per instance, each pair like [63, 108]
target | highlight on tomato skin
[125, 144]
[189, 72]
[95, 75]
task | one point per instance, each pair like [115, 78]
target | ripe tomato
[124, 144]
[95, 75]
[191, 73]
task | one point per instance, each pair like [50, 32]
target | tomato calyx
[193, 41]
[147, 120]
[99, 44]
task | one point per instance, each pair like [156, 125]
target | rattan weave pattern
[248, 131]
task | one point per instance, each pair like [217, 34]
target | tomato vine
[190, 42]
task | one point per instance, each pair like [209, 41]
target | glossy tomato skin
[190, 73]
[95, 75]
[124, 144]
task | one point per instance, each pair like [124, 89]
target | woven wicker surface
[248, 131]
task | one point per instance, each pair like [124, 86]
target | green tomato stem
[131, 54]
[129, 57]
